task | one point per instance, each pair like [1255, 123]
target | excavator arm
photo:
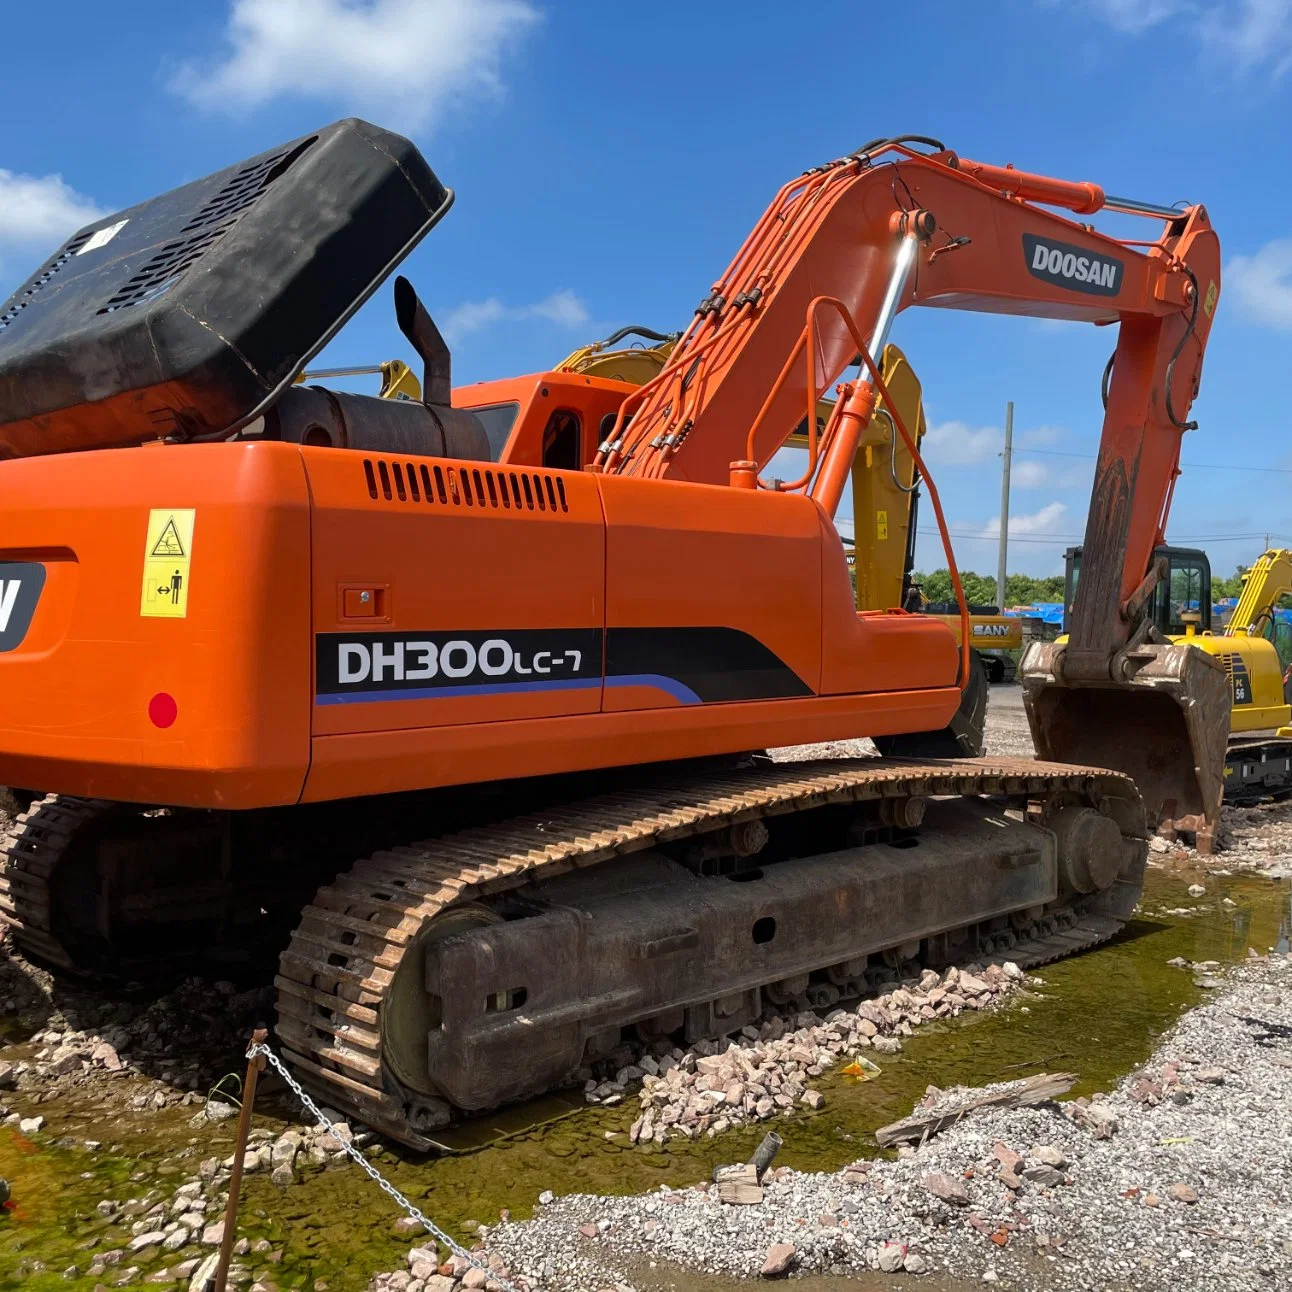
[838, 254]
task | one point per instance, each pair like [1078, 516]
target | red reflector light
[162, 709]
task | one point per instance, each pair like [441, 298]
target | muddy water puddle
[1098, 1015]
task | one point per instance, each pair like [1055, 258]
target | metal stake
[255, 1067]
[1003, 548]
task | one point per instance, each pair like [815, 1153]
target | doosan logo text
[1072, 267]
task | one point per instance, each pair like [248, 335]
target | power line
[1191, 466]
[1066, 540]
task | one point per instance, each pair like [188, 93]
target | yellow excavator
[635, 363]
[1258, 762]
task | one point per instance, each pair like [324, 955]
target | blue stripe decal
[443, 692]
[676, 689]
[672, 686]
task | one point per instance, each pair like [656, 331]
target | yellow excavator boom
[397, 379]
[1269, 578]
[883, 485]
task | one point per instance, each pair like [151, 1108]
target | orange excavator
[469, 694]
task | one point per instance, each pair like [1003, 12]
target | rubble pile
[767, 1070]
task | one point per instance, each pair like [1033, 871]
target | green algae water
[1098, 1015]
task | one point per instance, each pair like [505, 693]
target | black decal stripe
[711, 665]
[20, 587]
[718, 664]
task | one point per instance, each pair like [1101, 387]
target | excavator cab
[1162, 715]
[1180, 602]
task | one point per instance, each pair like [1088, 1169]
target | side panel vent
[20, 303]
[496, 488]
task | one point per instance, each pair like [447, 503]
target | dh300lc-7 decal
[396, 666]
[694, 665]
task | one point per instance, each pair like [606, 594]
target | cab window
[1184, 596]
[497, 420]
[561, 441]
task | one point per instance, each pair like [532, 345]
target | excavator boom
[888, 228]
[1269, 579]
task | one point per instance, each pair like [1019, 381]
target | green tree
[1023, 589]
[1230, 587]
[980, 589]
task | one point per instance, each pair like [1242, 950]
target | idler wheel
[409, 1012]
[1091, 849]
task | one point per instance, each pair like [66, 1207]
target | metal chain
[380, 1180]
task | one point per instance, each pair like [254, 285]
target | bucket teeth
[1166, 727]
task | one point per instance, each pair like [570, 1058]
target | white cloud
[957, 444]
[37, 213]
[563, 308]
[1027, 474]
[404, 61]
[1261, 284]
[1042, 437]
[1048, 520]
[1248, 35]
[1134, 16]
[1253, 34]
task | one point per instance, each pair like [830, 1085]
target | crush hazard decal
[20, 587]
[168, 554]
[1072, 267]
[693, 665]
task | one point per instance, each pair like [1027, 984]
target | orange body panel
[76, 690]
[697, 612]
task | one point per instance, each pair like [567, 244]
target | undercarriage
[487, 965]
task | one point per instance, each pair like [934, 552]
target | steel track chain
[30, 851]
[343, 956]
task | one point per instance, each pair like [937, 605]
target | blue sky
[609, 159]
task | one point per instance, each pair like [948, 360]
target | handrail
[877, 380]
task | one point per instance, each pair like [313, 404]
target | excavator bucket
[1166, 728]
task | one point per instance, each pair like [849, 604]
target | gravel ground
[1251, 839]
[1180, 1178]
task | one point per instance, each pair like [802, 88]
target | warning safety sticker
[167, 553]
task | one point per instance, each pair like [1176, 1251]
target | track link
[30, 851]
[336, 971]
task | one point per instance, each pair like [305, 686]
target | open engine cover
[189, 313]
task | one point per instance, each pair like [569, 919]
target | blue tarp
[1051, 612]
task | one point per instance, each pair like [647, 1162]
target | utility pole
[1003, 553]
